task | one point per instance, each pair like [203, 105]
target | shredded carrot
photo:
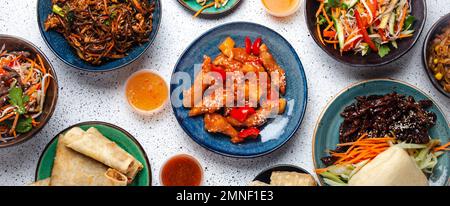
[47, 85]
[443, 147]
[41, 63]
[401, 36]
[13, 128]
[331, 41]
[403, 18]
[320, 9]
[360, 138]
[319, 34]
[363, 148]
[34, 122]
[7, 116]
[321, 170]
[329, 26]
[4, 107]
[33, 63]
[32, 89]
[326, 15]
[30, 73]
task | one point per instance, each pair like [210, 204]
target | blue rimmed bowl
[58, 44]
[277, 131]
[326, 134]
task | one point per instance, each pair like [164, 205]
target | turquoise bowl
[326, 134]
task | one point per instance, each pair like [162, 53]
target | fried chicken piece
[210, 103]
[272, 67]
[230, 65]
[262, 114]
[216, 123]
[190, 98]
[239, 54]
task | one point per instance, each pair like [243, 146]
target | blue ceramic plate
[326, 135]
[277, 131]
[63, 51]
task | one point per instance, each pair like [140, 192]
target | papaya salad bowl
[29, 90]
[366, 33]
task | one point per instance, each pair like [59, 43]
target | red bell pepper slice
[363, 31]
[219, 70]
[373, 5]
[256, 45]
[382, 33]
[248, 45]
[242, 113]
[349, 47]
[329, 33]
[251, 132]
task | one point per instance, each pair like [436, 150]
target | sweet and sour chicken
[238, 91]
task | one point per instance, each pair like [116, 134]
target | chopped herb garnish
[408, 22]
[17, 99]
[383, 50]
[24, 125]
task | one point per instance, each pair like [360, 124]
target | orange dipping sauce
[182, 170]
[146, 91]
[281, 7]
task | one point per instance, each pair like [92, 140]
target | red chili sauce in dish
[181, 170]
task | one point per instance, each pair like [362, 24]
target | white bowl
[284, 14]
[140, 111]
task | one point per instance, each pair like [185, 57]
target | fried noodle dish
[23, 85]
[102, 30]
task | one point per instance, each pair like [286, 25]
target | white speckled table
[99, 96]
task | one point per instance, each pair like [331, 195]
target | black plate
[419, 10]
[435, 30]
[264, 176]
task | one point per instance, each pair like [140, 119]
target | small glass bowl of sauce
[146, 92]
[181, 170]
[281, 8]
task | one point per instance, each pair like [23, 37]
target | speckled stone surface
[99, 96]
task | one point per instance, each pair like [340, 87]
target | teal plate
[116, 134]
[193, 6]
[326, 134]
